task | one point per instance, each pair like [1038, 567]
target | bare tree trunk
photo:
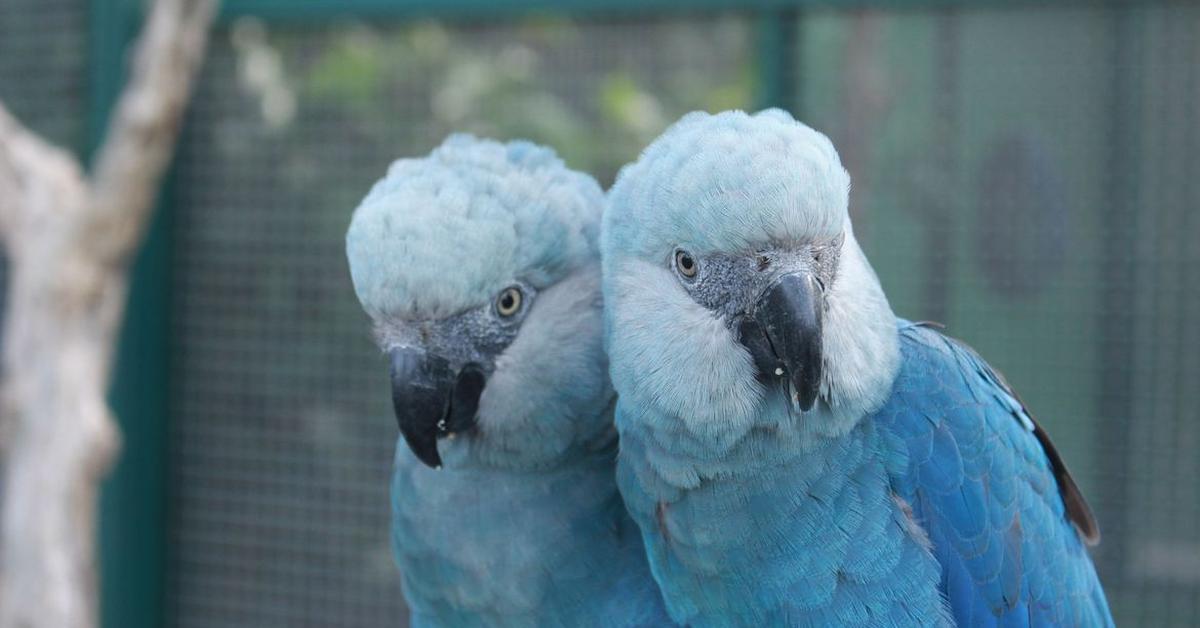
[69, 238]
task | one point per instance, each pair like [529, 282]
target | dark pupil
[506, 302]
[686, 262]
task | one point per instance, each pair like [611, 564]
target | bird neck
[783, 533]
[509, 547]
[861, 343]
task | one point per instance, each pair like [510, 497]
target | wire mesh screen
[1029, 178]
[283, 433]
[43, 45]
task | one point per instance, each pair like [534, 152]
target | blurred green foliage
[533, 79]
[317, 116]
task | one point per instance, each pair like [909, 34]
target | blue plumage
[982, 485]
[794, 536]
[791, 451]
[478, 266]
[478, 547]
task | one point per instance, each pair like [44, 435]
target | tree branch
[69, 242]
[29, 168]
[145, 127]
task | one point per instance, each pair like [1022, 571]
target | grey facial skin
[773, 301]
[441, 367]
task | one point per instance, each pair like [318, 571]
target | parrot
[792, 451]
[478, 267]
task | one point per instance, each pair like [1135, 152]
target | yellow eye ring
[509, 301]
[686, 264]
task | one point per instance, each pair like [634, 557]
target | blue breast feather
[990, 491]
[498, 548]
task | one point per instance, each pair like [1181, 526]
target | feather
[1078, 510]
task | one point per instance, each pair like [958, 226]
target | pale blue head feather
[726, 182]
[494, 212]
[733, 182]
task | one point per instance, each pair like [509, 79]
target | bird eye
[686, 264]
[509, 301]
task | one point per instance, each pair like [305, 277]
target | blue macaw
[478, 266]
[793, 453]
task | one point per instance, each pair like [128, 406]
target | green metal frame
[132, 534]
[289, 10]
[778, 58]
[1121, 232]
[309, 10]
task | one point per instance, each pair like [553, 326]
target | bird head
[478, 267]
[733, 279]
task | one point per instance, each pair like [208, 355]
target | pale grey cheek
[728, 285]
[724, 285]
[477, 335]
[825, 264]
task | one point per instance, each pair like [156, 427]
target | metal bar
[940, 215]
[777, 33]
[110, 29]
[132, 527]
[1117, 316]
[319, 10]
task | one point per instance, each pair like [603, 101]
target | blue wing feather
[991, 492]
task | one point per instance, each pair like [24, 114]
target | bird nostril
[763, 262]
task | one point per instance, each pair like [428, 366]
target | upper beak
[431, 400]
[787, 342]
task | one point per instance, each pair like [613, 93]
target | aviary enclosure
[1025, 175]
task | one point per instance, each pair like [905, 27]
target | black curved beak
[784, 335]
[431, 400]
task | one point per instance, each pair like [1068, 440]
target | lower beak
[431, 400]
[787, 341]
